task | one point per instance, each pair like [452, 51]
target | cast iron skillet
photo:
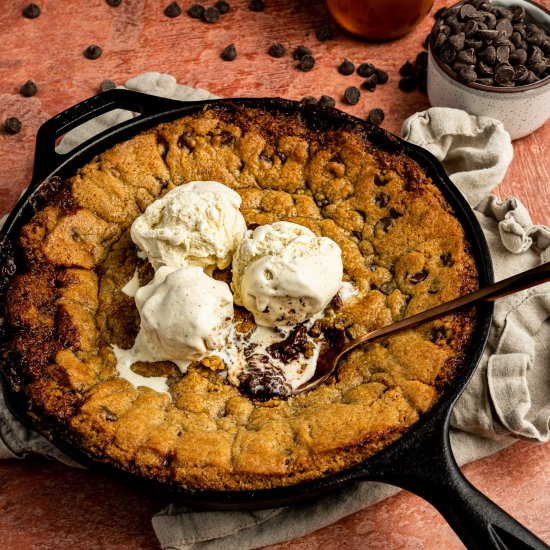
[420, 461]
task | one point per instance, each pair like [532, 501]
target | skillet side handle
[46, 158]
[429, 470]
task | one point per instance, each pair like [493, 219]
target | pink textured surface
[47, 505]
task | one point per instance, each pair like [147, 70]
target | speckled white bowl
[521, 109]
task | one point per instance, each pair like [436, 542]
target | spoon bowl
[328, 360]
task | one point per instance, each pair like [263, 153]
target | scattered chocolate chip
[222, 6]
[407, 84]
[352, 95]
[107, 85]
[376, 116]
[326, 101]
[28, 89]
[366, 69]
[114, 3]
[323, 33]
[211, 15]
[385, 223]
[31, 11]
[346, 67]
[407, 69]
[229, 53]
[422, 60]
[370, 83]
[381, 76]
[308, 100]
[12, 125]
[93, 51]
[306, 63]
[256, 5]
[276, 50]
[196, 11]
[172, 10]
[300, 52]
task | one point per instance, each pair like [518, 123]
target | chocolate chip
[485, 69]
[370, 83]
[196, 11]
[467, 56]
[222, 6]
[379, 181]
[518, 13]
[382, 200]
[418, 277]
[488, 55]
[467, 11]
[447, 53]
[486, 81]
[93, 51]
[211, 15]
[503, 53]
[457, 41]
[504, 74]
[366, 69]
[229, 53]
[276, 50]
[422, 60]
[446, 259]
[300, 52]
[352, 95]
[107, 85]
[256, 5]
[471, 27]
[172, 10]
[407, 69]
[326, 101]
[385, 223]
[306, 63]
[12, 125]
[531, 78]
[488, 34]
[376, 116]
[407, 84]
[323, 33]
[31, 11]
[521, 73]
[382, 76]
[467, 75]
[346, 67]
[114, 3]
[505, 25]
[308, 100]
[471, 43]
[28, 89]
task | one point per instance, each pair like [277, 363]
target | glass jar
[379, 19]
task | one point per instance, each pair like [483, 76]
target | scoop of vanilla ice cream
[185, 315]
[284, 274]
[198, 223]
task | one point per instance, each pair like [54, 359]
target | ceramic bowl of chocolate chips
[493, 59]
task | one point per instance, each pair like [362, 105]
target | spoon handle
[521, 281]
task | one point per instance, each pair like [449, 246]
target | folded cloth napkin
[509, 395]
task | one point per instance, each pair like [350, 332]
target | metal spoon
[326, 364]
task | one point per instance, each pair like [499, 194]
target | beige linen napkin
[509, 395]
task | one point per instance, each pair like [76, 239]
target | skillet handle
[46, 158]
[425, 466]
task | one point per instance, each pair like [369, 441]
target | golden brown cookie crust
[402, 248]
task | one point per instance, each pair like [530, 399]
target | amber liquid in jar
[379, 19]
